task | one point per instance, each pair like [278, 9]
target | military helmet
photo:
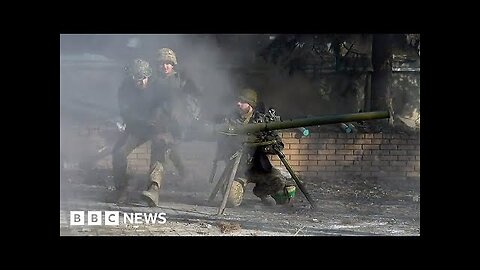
[167, 55]
[139, 69]
[249, 96]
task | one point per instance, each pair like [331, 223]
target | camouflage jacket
[255, 158]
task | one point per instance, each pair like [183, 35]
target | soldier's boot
[151, 195]
[235, 197]
[285, 195]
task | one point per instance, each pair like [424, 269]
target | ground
[345, 207]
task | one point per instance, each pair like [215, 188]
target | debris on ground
[227, 227]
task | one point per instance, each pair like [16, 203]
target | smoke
[91, 71]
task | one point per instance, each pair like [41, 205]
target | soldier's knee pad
[285, 195]
[235, 195]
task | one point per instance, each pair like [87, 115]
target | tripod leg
[220, 182]
[295, 178]
[230, 182]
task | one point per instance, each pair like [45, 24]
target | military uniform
[147, 117]
[255, 166]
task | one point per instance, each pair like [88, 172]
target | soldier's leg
[272, 185]
[176, 160]
[235, 196]
[157, 159]
[123, 147]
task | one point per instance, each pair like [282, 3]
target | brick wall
[330, 155]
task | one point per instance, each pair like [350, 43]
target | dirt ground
[345, 207]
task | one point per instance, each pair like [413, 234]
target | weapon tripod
[232, 167]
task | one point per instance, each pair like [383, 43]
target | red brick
[417, 157]
[317, 157]
[413, 152]
[298, 146]
[298, 157]
[353, 157]
[362, 163]
[326, 162]
[308, 140]
[396, 141]
[308, 162]
[378, 136]
[369, 157]
[286, 146]
[388, 146]
[369, 136]
[396, 136]
[351, 136]
[326, 152]
[326, 141]
[314, 135]
[362, 152]
[371, 147]
[287, 135]
[335, 146]
[323, 135]
[344, 141]
[376, 141]
[276, 162]
[380, 163]
[406, 147]
[353, 146]
[308, 152]
[291, 141]
[406, 157]
[344, 152]
[414, 141]
[387, 157]
[291, 152]
[341, 136]
[398, 152]
[363, 141]
[359, 136]
[292, 162]
[317, 146]
[343, 162]
[387, 136]
[335, 157]
[381, 152]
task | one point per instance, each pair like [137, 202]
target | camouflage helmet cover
[166, 55]
[139, 69]
[249, 96]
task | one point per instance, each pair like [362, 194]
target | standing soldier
[143, 112]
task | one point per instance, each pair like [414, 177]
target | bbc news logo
[112, 218]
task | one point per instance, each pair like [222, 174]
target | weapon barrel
[305, 122]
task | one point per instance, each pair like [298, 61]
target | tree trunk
[382, 71]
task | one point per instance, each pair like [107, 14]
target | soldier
[183, 102]
[270, 185]
[142, 108]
